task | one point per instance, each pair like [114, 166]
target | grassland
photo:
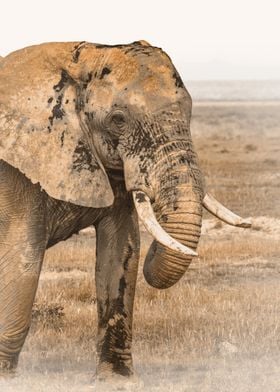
[218, 329]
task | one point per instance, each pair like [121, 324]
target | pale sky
[209, 39]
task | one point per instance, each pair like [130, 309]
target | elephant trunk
[164, 267]
[178, 209]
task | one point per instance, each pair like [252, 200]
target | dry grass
[218, 329]
[239, 149]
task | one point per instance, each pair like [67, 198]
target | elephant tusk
[146, 214]
[216, 208]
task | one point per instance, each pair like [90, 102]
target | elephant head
[73, 115]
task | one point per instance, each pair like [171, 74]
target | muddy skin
[101, 122]
[77, 51]
[82, 156]
[115, 303]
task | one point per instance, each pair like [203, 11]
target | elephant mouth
[146, 214]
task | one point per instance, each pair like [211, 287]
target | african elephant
[95, 135]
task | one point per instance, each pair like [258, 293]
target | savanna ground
[218, 329]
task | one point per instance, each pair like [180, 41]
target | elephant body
[97, 135]
[62, 219]
[31, 221]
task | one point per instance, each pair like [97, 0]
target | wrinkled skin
[82, 126]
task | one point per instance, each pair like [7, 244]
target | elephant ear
[41, 132]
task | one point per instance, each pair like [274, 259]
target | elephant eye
[118, 119]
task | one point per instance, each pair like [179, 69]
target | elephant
[96, 135]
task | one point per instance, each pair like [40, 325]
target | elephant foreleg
[22, 246]
[116, 273]
[20, 268]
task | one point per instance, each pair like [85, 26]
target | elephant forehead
[124, 68]
[151, 85]
[150, 101]
[129, 64]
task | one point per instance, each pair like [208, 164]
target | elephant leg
[116, 273]
[22, 246]
[20, 264]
